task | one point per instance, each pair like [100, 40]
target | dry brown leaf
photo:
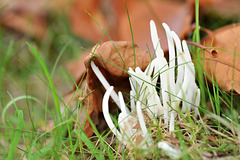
[29, 16]
[105, 57]
[204, 3]
[76, 67]
[176, 14]
[224, 67]
[82, 24]
[26, 17]
[227, 8]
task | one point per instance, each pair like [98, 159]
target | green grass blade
[54, 92]
[94, 150]
[16, 137]
[59, 57]
[185, 155]
[109, 152]
[3, 64]
[42, 152]
[198, 55]
[130, 25]
[13, 102]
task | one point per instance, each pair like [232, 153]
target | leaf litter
[112, 58]
[216, 67]
[105, 67]
[224, 68]
[178, 15]
[106, 58]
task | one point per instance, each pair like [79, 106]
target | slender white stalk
[188, 59]
[161, 68]
[141, 119]
[106, 115]
[186, 51]
[132, 102]
[124, 109]
[156, 43]
[149, 70]
[180, 67]
[105, 83]
[133, 83]
[186, 79]
[143, 125]
[188, 99]
[172, 57]
[190, 94]
[150, 95]
[125, 126]
[171, 124]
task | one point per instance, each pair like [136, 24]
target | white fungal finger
[189, 59]
[143, 125]
[106, 115]
[180, 67]
[141, 119]
[172, 57]
[155, 40]
[132, 100]
[124, 109]
[104, 82]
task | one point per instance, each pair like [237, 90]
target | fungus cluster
[158, 91]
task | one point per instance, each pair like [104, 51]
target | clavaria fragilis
[128, 134]
[171, 92]
[144, 96]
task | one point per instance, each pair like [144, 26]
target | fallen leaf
[106, 57]
[227, 8]
[29, 16]
[224, 67]
[76, 67]
[176, 14]
[204, 3]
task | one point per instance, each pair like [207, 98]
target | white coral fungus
[177, 87]
[130, 135]
[172, 90]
